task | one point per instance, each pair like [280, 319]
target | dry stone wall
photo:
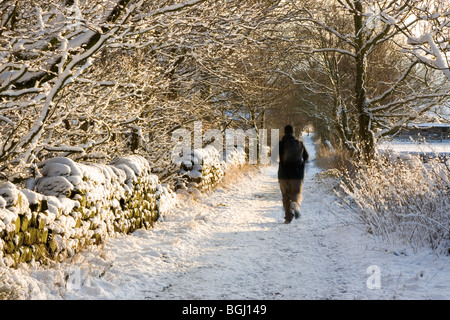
[73, 205]
[206, 167]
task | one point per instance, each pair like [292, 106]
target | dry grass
[403, 201]
[331, 159]
[8, 291]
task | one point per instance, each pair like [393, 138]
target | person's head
[288, 129]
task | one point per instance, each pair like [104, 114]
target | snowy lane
[246, 251]
[231, 244]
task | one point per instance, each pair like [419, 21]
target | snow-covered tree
[95, 79]
[428, 39]
[351, 72]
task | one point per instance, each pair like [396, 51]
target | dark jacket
[292, 171]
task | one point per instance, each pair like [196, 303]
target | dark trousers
[291, 190]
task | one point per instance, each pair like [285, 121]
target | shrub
[401, 200]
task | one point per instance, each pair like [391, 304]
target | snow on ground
[405, 146]
[232, 244]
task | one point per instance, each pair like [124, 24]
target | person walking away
[291, 171]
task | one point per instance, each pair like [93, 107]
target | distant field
[410, 147]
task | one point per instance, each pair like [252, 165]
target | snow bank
[74, 205]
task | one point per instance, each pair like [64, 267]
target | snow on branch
[100, 78]
[428, 40]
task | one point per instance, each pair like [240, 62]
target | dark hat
[288, 129]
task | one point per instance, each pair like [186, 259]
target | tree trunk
[366, 139]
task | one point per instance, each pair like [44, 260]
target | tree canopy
[92, 80]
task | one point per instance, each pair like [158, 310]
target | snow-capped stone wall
[207, 166]
[74, 205]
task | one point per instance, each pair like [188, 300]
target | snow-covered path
[232, 244]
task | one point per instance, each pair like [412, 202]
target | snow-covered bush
[404, 201]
